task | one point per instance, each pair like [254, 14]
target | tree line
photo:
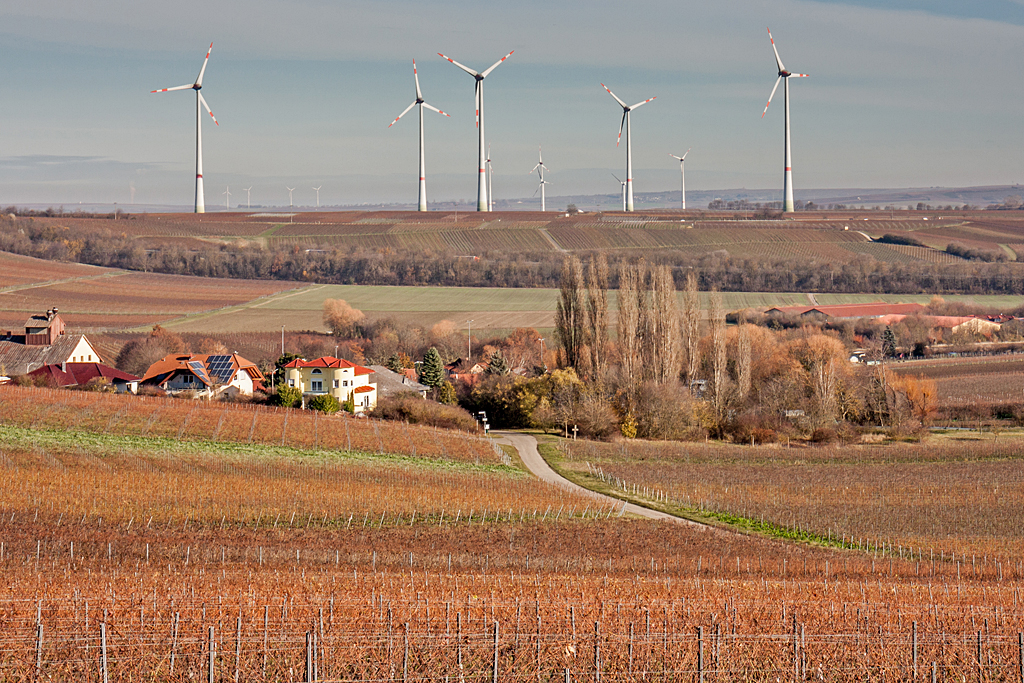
[333, 264]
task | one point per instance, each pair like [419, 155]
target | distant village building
[390, 383]
[209, 375]
[43, 343]
[68, 375]
[335, 376]
[846, 311]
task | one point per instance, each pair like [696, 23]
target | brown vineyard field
[166, 540]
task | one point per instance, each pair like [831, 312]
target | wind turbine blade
[495, 65]
[625, 113]
[179, 87]
[777, 80]
[461, 66]
[199, 81]
[207, 107]
[685, 153]
[534, 169]
[798, 75]
[402, 114]
[616, 177]
[623, 104]
[778, 60]
[536, 191]
[436, 109]
[416, 76]
[643, 103]
[675, 157]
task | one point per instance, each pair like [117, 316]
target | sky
[902, 93]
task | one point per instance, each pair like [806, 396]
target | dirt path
[549, 238]
[527, 447]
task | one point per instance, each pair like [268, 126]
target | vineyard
[171, 540]
[949, 497]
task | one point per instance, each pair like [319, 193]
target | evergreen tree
[325, 403]
[888, 343]
[394, 363]
[286, 397]
[432, 369]
[446, 394]
[349, 405]
[497, 365]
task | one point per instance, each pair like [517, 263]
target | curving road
[526, 444]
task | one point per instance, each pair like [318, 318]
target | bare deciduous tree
[597, 313]
[691, 326]
[570, 312]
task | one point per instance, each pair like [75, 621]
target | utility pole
[469, 346]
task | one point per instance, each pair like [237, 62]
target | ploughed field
[161, 539]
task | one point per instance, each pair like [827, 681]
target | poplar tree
[570, 312]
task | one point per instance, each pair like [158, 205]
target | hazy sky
[902, 93]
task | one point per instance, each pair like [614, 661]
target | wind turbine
[317, 190]
[629, 150]
[419, 101]
[540, 168]
[200, 102]
[248, 197]
[787, 183]
[481, 186]
[227, 197]
[290, 190]
[682, 176]
[623, 191]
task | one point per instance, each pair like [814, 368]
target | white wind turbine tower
[787, 183]
[623, 183]
[540, 168]
[629, 150]
[490, 179]
[290, 202]
[200, 102]
[481, 186]
[227, 197]
[317, 190]
[248, 197]
[420, 101]
[682, 176]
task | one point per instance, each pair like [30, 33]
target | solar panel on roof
[221, 367]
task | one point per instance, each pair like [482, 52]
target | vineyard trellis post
[238, 647]
[103, 650]
[915, 649]
[494, 664]
[213, 653]
[39, 648]
[1020, 656]
[405, 656]
[700, 654]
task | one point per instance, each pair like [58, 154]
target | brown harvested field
[980, 381]
[833, 236]
[99, 298]
[959, 494]
[17, 271]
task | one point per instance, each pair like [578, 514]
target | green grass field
[492, 309]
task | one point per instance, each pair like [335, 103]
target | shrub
[900, 239]
[324, 403]
[410, 407]
[285, 396]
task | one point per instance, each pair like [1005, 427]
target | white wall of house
[83, 353]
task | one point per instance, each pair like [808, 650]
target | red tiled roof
[165, 368]
[84, 372]
[850, 310]
[329, 362]
[365, 389]
[55, 377]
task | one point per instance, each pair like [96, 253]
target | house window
[317, 371]
[317, 385]
[291, 383]
[188, 379]
[90, 356]
[336, 384]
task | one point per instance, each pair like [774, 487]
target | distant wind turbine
[623, 183]
[629, 150]
[200, 102]
[787, 182]
[227, 197]
[540, 168]
[248, 197]
[290, 202]
[317, 190]
[420, 101]
[481, 186]
[682, 176]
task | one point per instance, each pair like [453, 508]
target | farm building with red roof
[82, 374]
[847, 311]
[209, 375]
